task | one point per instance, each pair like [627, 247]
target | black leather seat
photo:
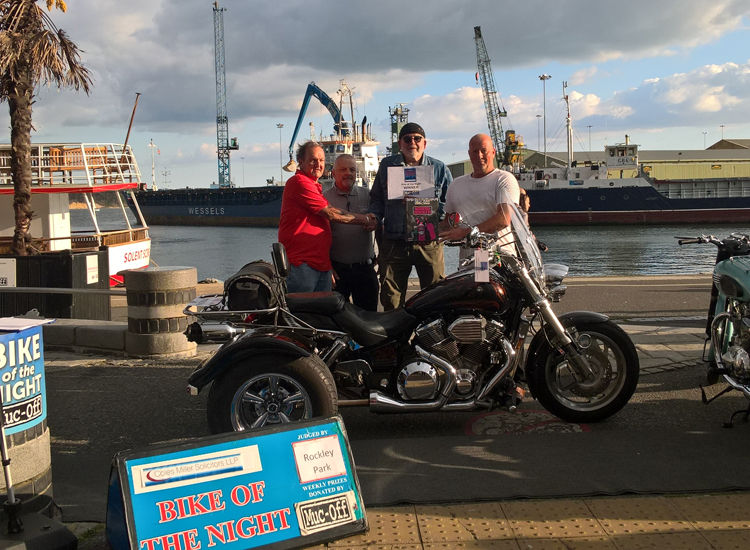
[368, 328]
[322, 303]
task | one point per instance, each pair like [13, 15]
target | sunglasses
[415, 139]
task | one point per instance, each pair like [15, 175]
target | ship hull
[631, 205]
[248, 219]
[246, 207]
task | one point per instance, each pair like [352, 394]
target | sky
[672, 74]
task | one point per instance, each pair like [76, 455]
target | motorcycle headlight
[737, 359]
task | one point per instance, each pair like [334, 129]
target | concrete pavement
[703, 521]
[664, 319]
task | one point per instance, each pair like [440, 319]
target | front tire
[255, 394]
[614, 360]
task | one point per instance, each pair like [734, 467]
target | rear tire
[614, 360]
[254, 393]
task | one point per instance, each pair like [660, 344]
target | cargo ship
[243, 206]
[589, 194]
[620, 190]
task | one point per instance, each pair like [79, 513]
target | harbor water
[218, 252]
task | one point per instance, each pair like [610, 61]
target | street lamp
[281, 159]
[704, 139]
[589, 127]
[538, 132]
[544, 78]
[722, 130]
[243, 171]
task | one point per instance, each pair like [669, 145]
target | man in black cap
[396, 255]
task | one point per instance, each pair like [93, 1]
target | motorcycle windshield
[527, 249]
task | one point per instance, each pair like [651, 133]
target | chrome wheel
[608, 364]
[614, 364]
[269, 399]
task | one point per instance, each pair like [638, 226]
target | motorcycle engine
[737, 356]
[464, 343]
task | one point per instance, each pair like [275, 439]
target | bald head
[482, 155]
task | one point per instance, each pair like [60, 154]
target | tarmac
[691, 521]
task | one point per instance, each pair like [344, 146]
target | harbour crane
[506, 144]
[339, 125]
[223, 144]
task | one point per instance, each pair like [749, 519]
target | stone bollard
[156, 297]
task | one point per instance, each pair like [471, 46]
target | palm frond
[29, 38]
[78, 76]
[59, 4]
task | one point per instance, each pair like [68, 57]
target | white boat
[59, 169]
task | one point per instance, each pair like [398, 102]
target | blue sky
[663, 73]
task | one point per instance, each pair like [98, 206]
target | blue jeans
[306, 279]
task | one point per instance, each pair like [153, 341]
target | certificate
[411, 181]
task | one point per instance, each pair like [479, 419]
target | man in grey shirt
[352, 250]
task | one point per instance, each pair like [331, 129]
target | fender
[282, 346]
[539, 342]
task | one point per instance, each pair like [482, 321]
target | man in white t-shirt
[479, 196]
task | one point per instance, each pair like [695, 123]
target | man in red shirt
[304, 224]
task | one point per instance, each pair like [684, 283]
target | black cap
[411, 128]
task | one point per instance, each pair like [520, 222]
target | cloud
[165, 48]
[582, 76]
[694, 96]
[389, 50]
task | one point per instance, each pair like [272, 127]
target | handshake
[372, 222]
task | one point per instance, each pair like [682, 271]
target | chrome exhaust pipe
[510, 355]
[210, 333]
[381, 403]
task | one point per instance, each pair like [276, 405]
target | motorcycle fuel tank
[460, 292]
[733, 277]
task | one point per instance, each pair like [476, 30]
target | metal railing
[75, 165]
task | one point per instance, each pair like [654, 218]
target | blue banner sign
[285, 487]
[22, 379]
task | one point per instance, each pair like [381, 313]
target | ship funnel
[627, 139]
[290, 166]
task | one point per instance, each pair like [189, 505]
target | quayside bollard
[156, 297]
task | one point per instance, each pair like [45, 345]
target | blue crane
[338, 124]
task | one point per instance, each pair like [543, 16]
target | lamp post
[589, 127]
[281, 159]
[243, 171]
[722, 130]
[544, 78]
[538, 132]
[704, 139]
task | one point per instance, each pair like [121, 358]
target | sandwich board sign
[23, 386]
[283, 487]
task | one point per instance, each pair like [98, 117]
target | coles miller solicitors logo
[176, 473]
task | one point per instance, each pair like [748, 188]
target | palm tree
[33, 51]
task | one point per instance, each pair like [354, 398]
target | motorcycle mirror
[454, 219]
